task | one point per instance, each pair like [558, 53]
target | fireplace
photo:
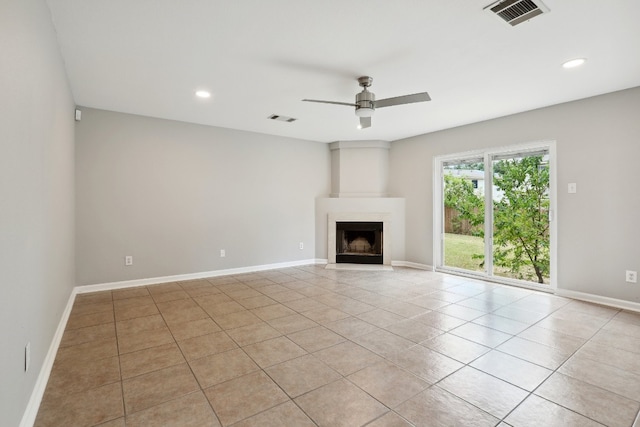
[359, 242]
[359, 238]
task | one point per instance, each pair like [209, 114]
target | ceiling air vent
[516, 12]
[281, 118]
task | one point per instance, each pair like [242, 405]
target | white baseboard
[611, 302]
[191, 276]
[31, 412]
[412, 265]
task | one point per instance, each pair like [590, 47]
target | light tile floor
[307, 346]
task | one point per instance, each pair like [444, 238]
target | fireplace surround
[367, 234]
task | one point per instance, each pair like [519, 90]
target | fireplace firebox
[359, 242]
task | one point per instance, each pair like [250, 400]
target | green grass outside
[459, 250]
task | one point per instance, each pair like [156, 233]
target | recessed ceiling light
[359, 127]
[574, 63]
[203, 94]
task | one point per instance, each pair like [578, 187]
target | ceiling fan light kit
[366, 103]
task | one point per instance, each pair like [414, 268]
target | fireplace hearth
[359, 242]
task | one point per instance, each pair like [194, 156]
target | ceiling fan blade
[406, 99]
[330, 102]
[365, 122]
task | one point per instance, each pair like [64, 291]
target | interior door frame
[438, 212]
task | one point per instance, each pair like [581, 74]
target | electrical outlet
[128, 260]
[301, 245]
[572, 188]
[632, 276]
[27, 356]
[223, 253]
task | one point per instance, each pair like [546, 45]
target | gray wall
[173, 194]
[36, 197]
[598, 147]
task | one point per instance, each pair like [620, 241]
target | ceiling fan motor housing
[365, 103]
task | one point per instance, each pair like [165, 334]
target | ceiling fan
[366, 101]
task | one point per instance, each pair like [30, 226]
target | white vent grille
[281, 118]
[516, 12]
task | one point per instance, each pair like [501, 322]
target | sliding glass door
[494, 212]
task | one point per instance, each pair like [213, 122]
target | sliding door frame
[438, 212]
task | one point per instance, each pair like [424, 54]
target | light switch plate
[572, 188]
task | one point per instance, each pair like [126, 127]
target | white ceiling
[261, 57]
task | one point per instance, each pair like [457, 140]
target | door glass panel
[520, 210]
[463, 216]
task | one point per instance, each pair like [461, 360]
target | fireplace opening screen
[359, 242]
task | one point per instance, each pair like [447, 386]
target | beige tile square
[87, 334]
[287, 296]
[351, 327]
[205, 301]
[241, 294]
[440, 321]
[140, 291]
[325, 315]
[348, 357]
[204, 345]
[222, 308]
[612, 378]
[273, 351]
[163, 288]
[593, 402]
[304, 304]
[84, 309]
[455, 347]
[461, 312]
[535, 412]
[315, 339]
[157, 387]
[502, 324]
[183, 315]
[388, 383]
[256, 302]
[293, 323]
[383, 343]
[390, 419]
[413, 330]
[285, 414]
[149, 360]
[236, 320]
[93, 297]
[132, 311]
[534, 352]
[274, 311]
[244, 397]
[609, 338]
[340, 404]
[83, 321]
[71, 376]
[140, 324]
[89, 351]
[199, 291]
[617, 357]
[170, 296]
[134, 301]
[220, 367]
[563, 343]
[144, 339]
[301, 375]
[481, 334]
[193, 328]
[252, 334]
[425, 363]
[190, 410]
[90, 407]
[473, 386]
[512, 370]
